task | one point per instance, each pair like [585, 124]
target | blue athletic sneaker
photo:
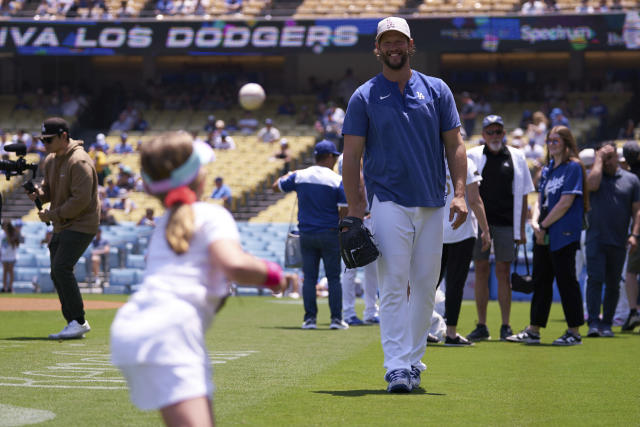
[375, 320]
[354, 321]
[399, 381]
[415, 377]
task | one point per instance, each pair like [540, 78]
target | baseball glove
[356, 244]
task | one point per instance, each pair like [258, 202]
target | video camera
[16, 167]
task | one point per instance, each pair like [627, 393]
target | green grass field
[270, 372]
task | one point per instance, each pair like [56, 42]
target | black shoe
[480, 333]
[505, 331]
[526, 336]
[433, 339]
[631, 323]
[458, 341]
[569, 338]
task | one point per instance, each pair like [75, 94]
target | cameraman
[71, 185]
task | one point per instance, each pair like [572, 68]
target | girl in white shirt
[8, 250]
[157, 338]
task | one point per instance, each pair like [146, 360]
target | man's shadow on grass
[360, 393]
[27, 339]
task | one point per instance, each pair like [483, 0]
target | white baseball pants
[370, 287]
[410, 243]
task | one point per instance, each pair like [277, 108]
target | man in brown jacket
[71, 185]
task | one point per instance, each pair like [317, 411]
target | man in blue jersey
[404, 122]
[320, 201]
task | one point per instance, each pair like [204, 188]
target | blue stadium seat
[25, 259]
[44, 280]
[43, 260]
[136, 261]
[122, 277]
[80, 269]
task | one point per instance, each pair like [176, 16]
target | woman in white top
[8, 249]
[457, 250]
[157, 338]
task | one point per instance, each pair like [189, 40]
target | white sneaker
[338, 324]
[72, 330]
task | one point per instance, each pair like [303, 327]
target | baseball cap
[17, 222]
[284, 141]
[124, 135]
[492, 119]
[587, 156]
[556, 111]
[325, 147]
[54, 126]
[393, 23]
[100, 138]
[268, 122]
[211, 117]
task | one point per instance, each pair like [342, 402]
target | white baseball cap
[393, 23]
[587, 156]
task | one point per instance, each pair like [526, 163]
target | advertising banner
[620, 31]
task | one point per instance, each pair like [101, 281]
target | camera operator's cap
[326, 147]
[54, 126]
[492, 119]
[393, 23]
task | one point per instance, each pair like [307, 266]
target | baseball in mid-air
[251, 96]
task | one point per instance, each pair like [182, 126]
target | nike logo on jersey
[385, 97]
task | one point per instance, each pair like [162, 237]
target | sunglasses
[494, 132]
[554, 141]
[47, 139]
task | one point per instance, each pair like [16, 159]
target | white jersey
[178, 297]
[470, 227]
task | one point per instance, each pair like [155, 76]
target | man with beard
[404, 122]
[506, 181]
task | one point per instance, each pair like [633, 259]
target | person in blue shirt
[558, 118]
[557, 223]
[320, 201]
[112, 189]
[404, 122]
[222, 191]
[123, 147]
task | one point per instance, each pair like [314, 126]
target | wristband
[274, 274]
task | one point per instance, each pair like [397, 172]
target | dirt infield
[49, 304]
